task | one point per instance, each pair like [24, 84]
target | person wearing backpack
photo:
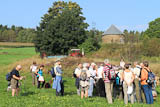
[118, 92]
[92, 77]
[58, 82]
[137, 72]
[77, 73]
[147, 87]
[33, 69]
[108, 77]
[84, 80]
[128, 79]
[15, 77]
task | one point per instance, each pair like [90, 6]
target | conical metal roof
[112, 31]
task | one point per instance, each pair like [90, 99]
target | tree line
[63, 27]
[16, 34]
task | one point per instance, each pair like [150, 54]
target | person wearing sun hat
[57, 82]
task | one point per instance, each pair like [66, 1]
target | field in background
[11, 55]
[15, 44]
[30, 96]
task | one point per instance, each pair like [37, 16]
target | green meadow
[30, 96]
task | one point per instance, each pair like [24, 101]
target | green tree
[26, 35]
[11, 35]
[61, 29]
[93, 42]
[149, 46]
[154, 29]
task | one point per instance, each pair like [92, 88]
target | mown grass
[11, 55]
[30, 96]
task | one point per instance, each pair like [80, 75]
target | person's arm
[76, 72]
[122, 76]
[30, 68]
[103, 75]
[58, 70]
[17, 78]
[133, 77]
[36, 72]
[96, 72]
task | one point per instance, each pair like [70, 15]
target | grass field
[11, 55]
[30, 96]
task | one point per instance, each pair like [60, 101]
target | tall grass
[15, 44]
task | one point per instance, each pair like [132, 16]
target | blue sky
[125, 14]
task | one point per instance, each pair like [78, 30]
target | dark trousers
[100, 87]
[118, 91]
[39, 83]
[62, 90]
[77, 83]
[148, 94]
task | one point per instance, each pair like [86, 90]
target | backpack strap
[109, 67]
[147, 70]
[140, 71]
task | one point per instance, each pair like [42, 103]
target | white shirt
[33, 68]
[122, 64]
[92, 72]
[100, 70]
[128, 76]
[137, 70]
[77, 71]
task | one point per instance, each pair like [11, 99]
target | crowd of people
[123, 81]
[133, 84]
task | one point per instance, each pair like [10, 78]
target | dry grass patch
[16, 44]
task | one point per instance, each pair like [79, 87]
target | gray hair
[85, 65]
[93, 64]
[106, 61]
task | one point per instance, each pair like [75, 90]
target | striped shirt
[106, 70]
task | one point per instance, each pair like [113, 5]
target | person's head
[34, 63]
[80, 65]
[95, 67]
[101, 65]
[142, 65]
[122, 60]
[135, 63]
[146, 63]
[126, 66]
[93, 64]
[58, 62]
[85, 65]
[106, 61]
[18, 67]
[41, 67]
